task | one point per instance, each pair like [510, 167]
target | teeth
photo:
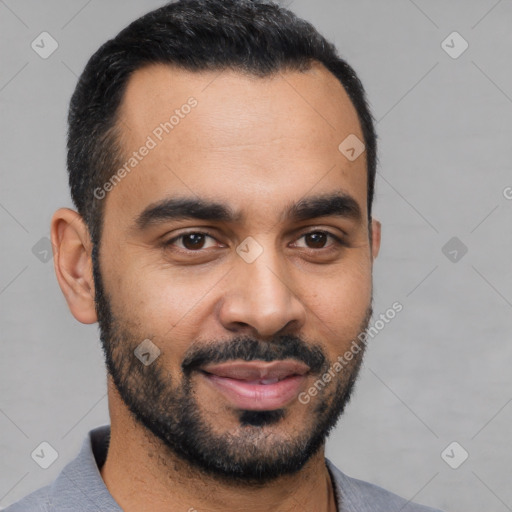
[262, 381]
[269, 381]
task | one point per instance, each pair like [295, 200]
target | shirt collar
[80, 486]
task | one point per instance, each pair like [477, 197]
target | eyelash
[338, 241]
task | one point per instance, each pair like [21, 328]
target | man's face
[250, 309]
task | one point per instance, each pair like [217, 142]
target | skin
[254, 144]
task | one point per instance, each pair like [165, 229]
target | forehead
[236, 138]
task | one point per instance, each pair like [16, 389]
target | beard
[257, 451]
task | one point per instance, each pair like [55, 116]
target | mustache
[250, 349]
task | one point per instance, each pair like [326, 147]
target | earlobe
[376, 234]
[72, 249]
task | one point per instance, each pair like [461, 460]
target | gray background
[438, 373]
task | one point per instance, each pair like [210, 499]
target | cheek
[159, 303]
[340, 303]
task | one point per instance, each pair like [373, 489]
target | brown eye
[193, 241]
[318, 240]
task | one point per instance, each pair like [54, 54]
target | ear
[72, 249]
[376, 231]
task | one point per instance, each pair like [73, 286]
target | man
[222, 160]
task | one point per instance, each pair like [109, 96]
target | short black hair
[252, 36]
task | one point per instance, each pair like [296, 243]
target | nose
[261, 300]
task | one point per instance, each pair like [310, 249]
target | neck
[147, 476]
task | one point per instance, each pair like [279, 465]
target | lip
[257, 385]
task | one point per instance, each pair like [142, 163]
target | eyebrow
[337, 204]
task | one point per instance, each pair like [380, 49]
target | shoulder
[37, 501]
[358, 495]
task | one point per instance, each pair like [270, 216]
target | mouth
[257, 385]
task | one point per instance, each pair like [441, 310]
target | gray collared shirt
[80, 488]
